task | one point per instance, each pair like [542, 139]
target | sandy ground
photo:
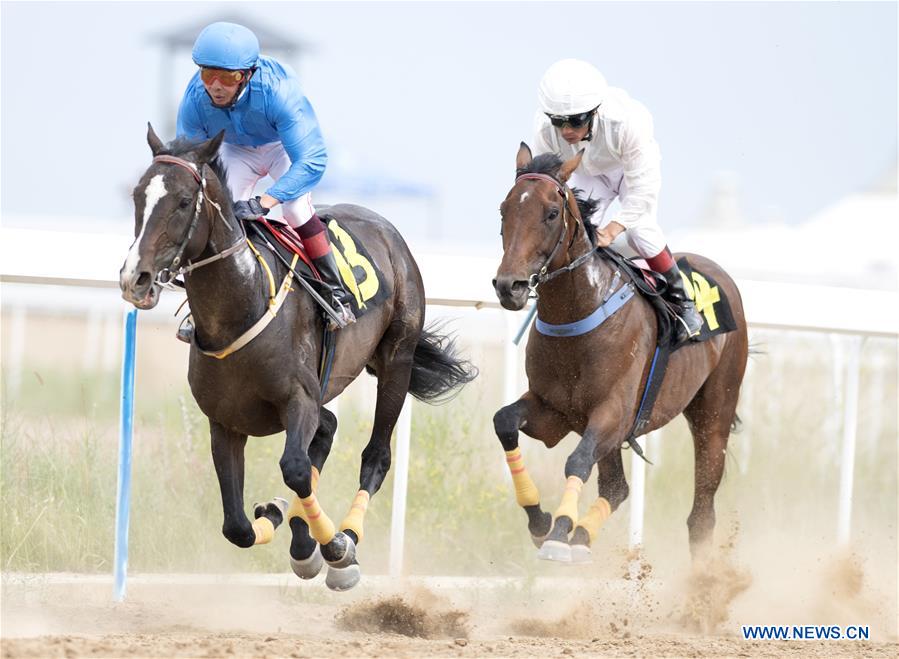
[277, 616]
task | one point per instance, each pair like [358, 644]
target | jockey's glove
[250, 209]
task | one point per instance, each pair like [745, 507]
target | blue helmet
[226, 46]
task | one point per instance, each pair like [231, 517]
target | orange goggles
[224, 76]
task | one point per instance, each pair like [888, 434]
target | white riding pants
[646, 238]
[246, 165]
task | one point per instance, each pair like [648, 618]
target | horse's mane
[549, 164]
[181, 146]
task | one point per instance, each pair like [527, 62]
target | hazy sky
[797, 100]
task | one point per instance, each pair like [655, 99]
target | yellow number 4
[704, 296]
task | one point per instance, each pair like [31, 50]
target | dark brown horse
[591, 384]
[183, 215]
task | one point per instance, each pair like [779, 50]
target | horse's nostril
[519, 287]
[143, 279]
[494, 283]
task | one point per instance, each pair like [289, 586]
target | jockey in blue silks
[270, 129]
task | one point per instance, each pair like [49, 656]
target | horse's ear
[569, 166]
[208, 149]
[153, 140]
[524, 157]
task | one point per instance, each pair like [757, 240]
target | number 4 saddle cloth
[361, 276]
[710, 299]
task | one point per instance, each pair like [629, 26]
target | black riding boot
[689, 323]
[340, 296]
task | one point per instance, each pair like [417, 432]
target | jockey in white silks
[578, 110]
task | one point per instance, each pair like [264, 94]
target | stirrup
[684, 333]
[347, 317]
[185, 331]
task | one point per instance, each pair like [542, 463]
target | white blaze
[154, 191]
[524, 195]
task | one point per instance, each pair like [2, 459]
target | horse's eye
[553, 214]
[184, 203]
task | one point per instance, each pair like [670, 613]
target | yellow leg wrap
[264, 529]
[320, 525]
[599, 512]
[568, 507]
[296, 506]
[526, 493]
[353, 519]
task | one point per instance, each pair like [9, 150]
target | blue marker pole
[525, 324]
[123, 492]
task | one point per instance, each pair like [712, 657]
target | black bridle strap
[194, 170]
[202, 198]
[542, 276]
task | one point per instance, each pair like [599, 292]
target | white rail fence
[77, 259]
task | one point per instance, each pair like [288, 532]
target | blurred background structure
[780, 164]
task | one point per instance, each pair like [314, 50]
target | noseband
[542, 276]
[169, 273]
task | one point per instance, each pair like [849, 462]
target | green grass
[58, 456]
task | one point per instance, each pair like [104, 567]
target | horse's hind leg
[228, 458]
[305, 556]
[393, 365]
[613, 490]
[710, 415]
[539, 421]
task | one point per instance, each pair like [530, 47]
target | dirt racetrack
[274, 616]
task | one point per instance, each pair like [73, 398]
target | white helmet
[571, 86]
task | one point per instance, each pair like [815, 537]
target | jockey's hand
[250, 209]
[606, 235]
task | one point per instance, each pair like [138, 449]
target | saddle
[360, 274]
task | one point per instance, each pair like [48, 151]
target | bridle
[166, 275]
[542, 276]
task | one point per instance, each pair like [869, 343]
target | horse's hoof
[343, 578]
[349, 554]
[553, 550]
[282, 505]
[539, 540]
[308, 568]
[581, 554]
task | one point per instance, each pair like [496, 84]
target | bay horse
[183, 215]
[591, 383]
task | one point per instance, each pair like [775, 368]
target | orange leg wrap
[526, 493]
[568, 506]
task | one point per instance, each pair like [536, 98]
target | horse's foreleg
[613, 490]
[305, 555]
[593, 447]
[301, 417]
[228, 458]
[541, 422]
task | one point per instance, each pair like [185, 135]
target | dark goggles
[573, 120]
[225, 76]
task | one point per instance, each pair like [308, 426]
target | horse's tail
[438, 373]
[754, 349]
